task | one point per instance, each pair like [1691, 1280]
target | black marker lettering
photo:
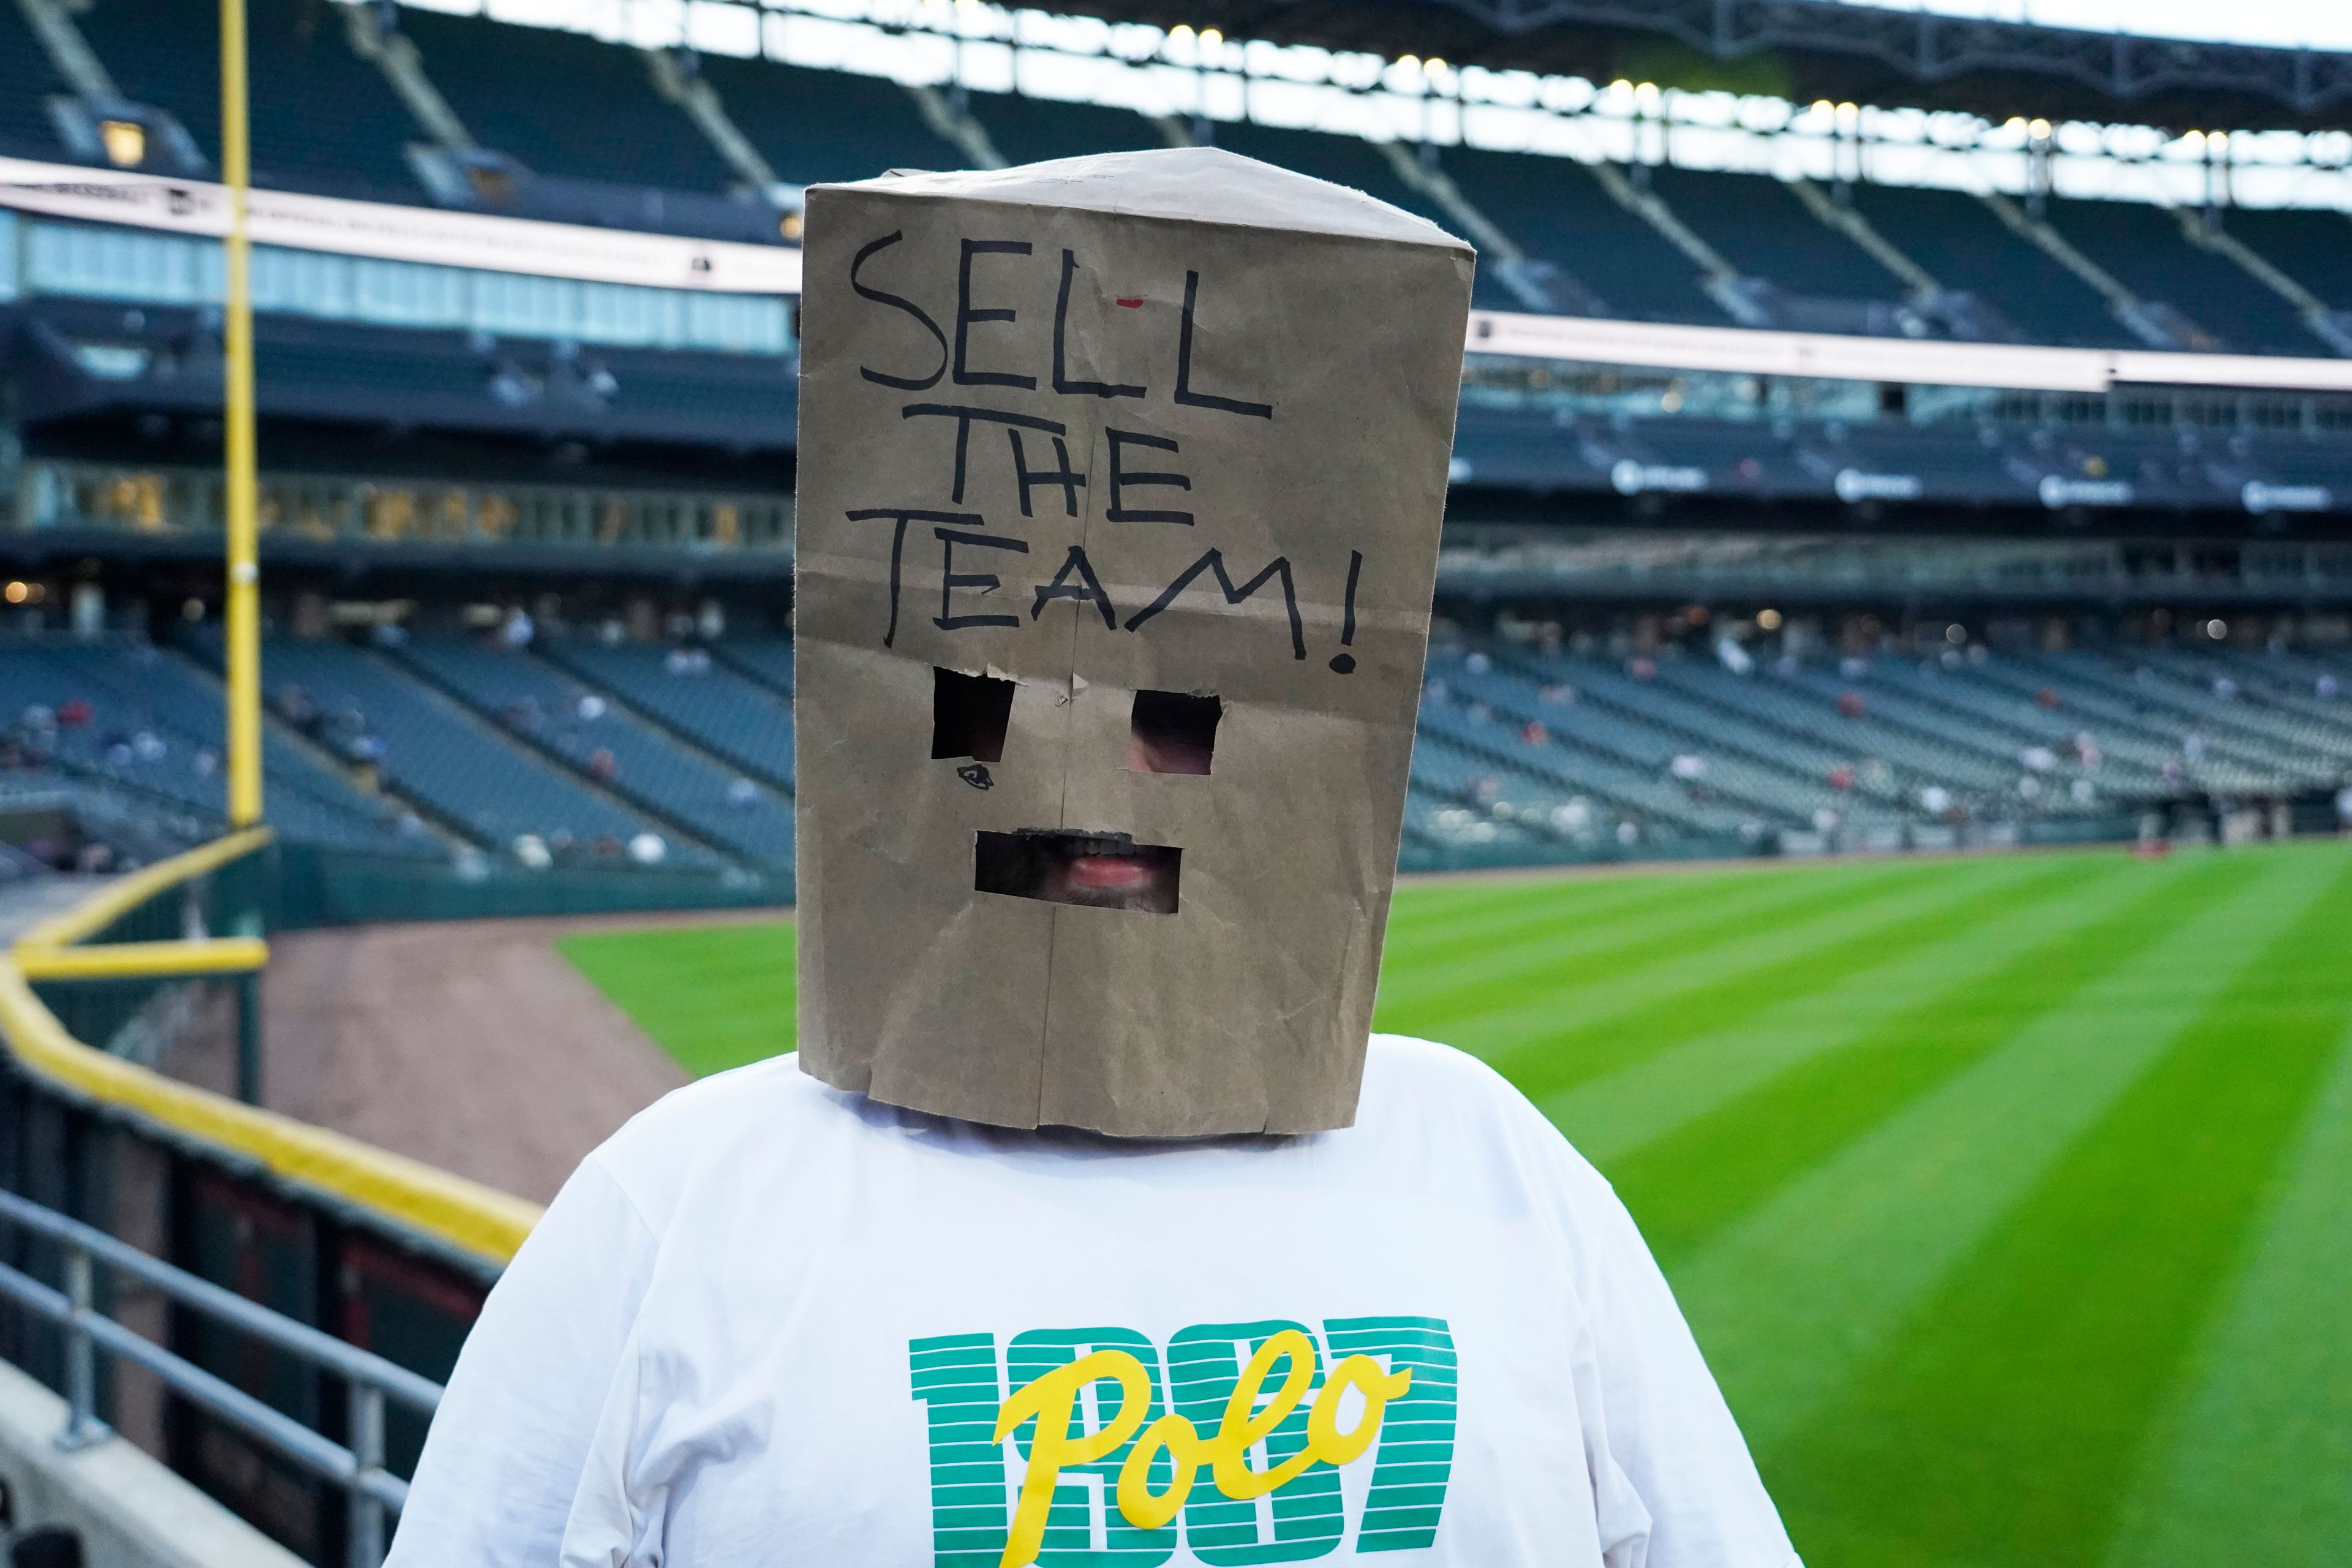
[901, 516]
[1061, 475]
[904, 383]
[1062, 382]
[966, 316]
[1345, 663]
[964, 418]
[986, 581]
[1120, 511]
[1089, 588]
[1214, 562]
[1184, 393]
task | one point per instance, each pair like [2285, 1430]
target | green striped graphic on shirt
[962, 1383]
[1205, 1362]
[1069, 1528]
[956, 1377]
[1416, 1452]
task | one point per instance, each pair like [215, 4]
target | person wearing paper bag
[1089, 1225]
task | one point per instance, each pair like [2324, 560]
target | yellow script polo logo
[1108, 1429]
[1053, 1396]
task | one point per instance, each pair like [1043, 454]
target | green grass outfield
[2011, 1198]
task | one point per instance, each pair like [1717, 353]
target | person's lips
[1109, 873]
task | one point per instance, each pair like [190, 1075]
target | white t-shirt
[772, 1323]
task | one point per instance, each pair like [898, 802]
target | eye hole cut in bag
[969, 715]
[1171, 733]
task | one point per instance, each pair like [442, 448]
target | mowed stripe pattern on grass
[2007, 1196]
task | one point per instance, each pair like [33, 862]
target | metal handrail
[358, 1468]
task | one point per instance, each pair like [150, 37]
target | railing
[294, 1292]
[357, 1467]
[460, 1215]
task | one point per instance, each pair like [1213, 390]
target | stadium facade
[1877, 434]
[1825, 479]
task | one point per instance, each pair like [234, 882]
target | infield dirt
[471, 1046]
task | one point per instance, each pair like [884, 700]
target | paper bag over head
[1121, 479]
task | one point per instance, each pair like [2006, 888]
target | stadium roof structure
[1821, 50]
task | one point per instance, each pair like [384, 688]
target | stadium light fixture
[125, 141]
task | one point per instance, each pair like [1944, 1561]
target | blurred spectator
[73, 714]
[2046, 696]
[1534, 733]
[1841, 777]
[1689, 767]
[1478, 664]
[517, 631]
[605, 766]
[742, 794]
[590, 706]
[1642, 666]
[1850, 704]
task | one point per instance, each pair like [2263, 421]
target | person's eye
[1172, 732]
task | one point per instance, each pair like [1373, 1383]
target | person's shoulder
[1406, 1069]
[711, 1120]
[1415, 1082]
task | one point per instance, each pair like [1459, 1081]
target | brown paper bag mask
[1121, 479]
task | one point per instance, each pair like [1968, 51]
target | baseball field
[2011, 1198]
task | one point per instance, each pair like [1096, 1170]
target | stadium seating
[1963, 244]
[1765, 768]
[813, 126]
[1561, 213]
[323, 119]
[535, 700]
[1764, 231]
[768, 659]
[27, 81]
[2307, 246]
[144, 722]
[1031, 129]
[563, 103]
[431, 751]
[722, 710]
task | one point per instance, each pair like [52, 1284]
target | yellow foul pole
[243, 607]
